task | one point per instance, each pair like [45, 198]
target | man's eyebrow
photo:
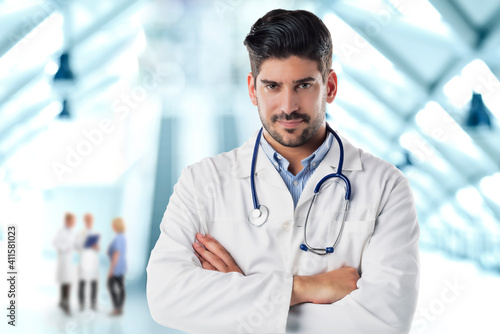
[270, 82]
[308, 79]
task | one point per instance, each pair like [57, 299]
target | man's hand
[325, 288]
[213, 256]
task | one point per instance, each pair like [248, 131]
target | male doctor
[213, 271]
[64, 244]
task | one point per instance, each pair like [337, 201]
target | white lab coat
[88, 267]
[380, 239]
[64, 244]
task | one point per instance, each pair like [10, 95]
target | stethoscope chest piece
[258, 216]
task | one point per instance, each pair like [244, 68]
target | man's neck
[295, 155]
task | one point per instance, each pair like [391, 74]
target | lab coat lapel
[266, 173]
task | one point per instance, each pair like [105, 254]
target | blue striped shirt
[296, 183]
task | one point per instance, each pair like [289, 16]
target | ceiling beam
[27, 20]
[458, 21]
[466, 31]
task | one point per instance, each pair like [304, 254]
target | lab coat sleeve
[80, 241]
[183, 295]
[63, 242]
[386, 297]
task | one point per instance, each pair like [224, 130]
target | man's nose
[289, 101]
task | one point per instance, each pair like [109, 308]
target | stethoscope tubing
[323, 251]
[252, 171]
[260, 213]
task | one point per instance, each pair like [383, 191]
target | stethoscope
[260, 213]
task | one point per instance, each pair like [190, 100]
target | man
[243, 278]
[63, 243]
[88, 246]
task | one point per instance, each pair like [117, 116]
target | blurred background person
[63, 243]
[118, 266]
[87, 244]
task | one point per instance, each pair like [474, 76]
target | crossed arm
[325, 288]
[214, 288]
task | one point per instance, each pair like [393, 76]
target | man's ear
[331, 86]
[251, 88]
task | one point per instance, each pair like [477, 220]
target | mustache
[290, 117]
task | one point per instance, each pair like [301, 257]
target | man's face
[70, 221]
[89, 220]
[291, 98]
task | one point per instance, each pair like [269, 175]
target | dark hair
[284, 33]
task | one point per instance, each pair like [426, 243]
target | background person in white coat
[64, 244]
[212, 271]
[87, 243]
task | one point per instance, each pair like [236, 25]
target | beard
[313, 124]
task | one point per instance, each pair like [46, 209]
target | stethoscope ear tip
[303, 247]
[329, 249]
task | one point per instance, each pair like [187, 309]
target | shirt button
[286, 226]
[295, 183]
[314, 164]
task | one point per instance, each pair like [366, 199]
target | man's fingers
[210, 258]
[215, 254]
[204, 263]
[216, 248]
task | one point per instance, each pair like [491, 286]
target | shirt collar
[311, 162]
[243, 157]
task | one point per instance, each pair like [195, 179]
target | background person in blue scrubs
[117, 253]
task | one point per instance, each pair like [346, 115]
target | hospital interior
[104, 103]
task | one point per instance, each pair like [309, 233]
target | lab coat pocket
[323, 231]
[319, 229]
[354, 239]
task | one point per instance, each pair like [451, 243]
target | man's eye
[272, 86]
[305, 85]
